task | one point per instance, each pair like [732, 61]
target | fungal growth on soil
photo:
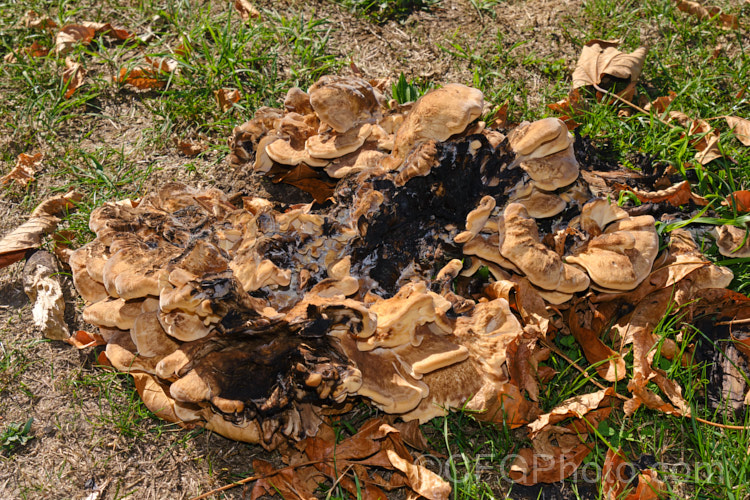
[433, 277]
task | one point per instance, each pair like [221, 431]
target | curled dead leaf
[675, 195]
[23, 173]
[618, 480]
[73, 76]
[153, 76]
[82, 339]
[36, 21]
[71, 35]
[29, 235]
[726, 21]
[287, 482]
[308, 180]
[660, 104]
[226, 98]
[246, 10]
[577, 406]
[556, 454]
[420, 479]
[739, 200]
[190, 149]
[600, 58]
[569, 108]
[596, 352]
[740, 127]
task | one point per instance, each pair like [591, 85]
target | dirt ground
[81, 445]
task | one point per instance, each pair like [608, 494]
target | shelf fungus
[426, 284]
[544, 150]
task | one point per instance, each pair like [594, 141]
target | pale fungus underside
[257, 320]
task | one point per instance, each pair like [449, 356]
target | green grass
[380, 11]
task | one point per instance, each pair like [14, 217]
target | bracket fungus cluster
[260, 318]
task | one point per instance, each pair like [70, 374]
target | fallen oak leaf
[702, 136]
[73, 76]
[726, 21]
[36, 50]
[28, 235]
[740, 127]
[23, 172]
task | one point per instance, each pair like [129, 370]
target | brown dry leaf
[82, 339]
[308, 180]
[740, 127]
[142, 78]
[289, 483]
[377, 444]
[420, 479]
[638, 328]
[153, 76]
[675, 195]
[569, 108]
[726, 21]
[246, 9]
[103, 360]
[109, 30]
[616, 480]
[600, 58]
[23, 172]
[739, 200]
[35, 21]
[660, 104]
[510, 408]
[226, 98]
[577, 406]
[72, 34]
[547, 462]
[62, 243]
[412, 435]
[43, 220]
[707, 140]
[36, 50]
[191, 149]
[580, 318]
[73, 76]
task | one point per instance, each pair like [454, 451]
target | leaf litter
[557, 448]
